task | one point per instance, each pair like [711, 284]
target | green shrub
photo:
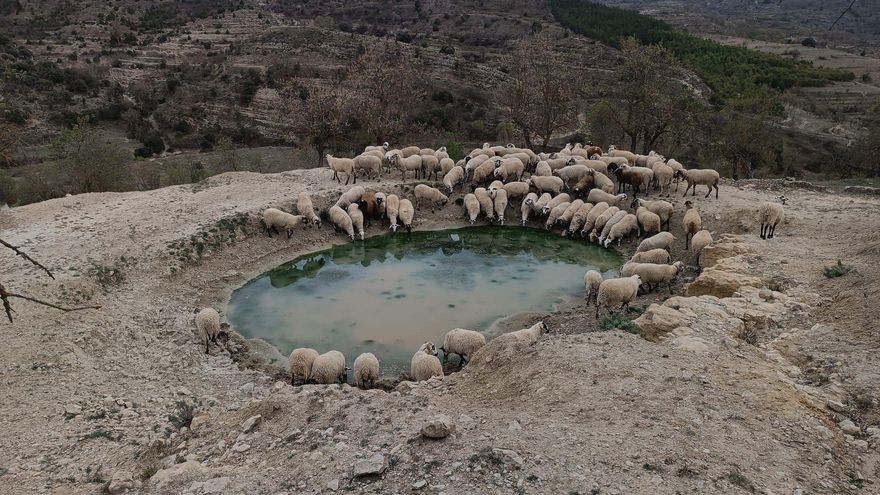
[618, 320]
[837, 270]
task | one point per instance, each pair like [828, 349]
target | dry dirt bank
[90, 399]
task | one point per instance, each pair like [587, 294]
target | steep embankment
[732, 397]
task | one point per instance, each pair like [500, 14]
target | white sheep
[704, 177]
[462, 342]
[353, 195]
[392, 209]
[486, 203]
[369, 163]
[592, 280]
[431, 194]
[648, 220]
[357, 219]
[653, 274]
[572, 173]
[691, 222]
[500, 204]
[328, 368]
[630, 156]
[441, 153]
[605, 222]
[341, 221]
[446, 164]
[383, 148]
[454, 177]
[579, 218]
[543, 169]
[473, 163]
[617, 291]
[299, 364]
[658, 256]
[412, 163]
[593, 215]
[601, 181]
[663, 209]
[365, 369]
[484, 172]
[555, 213]
[406, 213]
[542, 202]
[274, 218]
[341, 165]
[430, 165]
[425, 364]
[471, 207]
[621, 229]
[509, 167]
[770, 215]
[657, 241]
[700, 240]
[526, 207]
[209, 326]
[567, 215]
[527, 335]
[516, 189]
[551, 183]
[410, 151]
[600, 196]
[556, 201]
[663, 177]
[307, 210]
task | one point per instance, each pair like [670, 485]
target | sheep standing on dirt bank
[299, 364]
[592, 280]
[328, 368]
[353, 195]
[471, 207]
[599, 196]
[274, 218]
[578, 219]
[555, 213]
[425, 364]
[392, 208]
[658, 241]
[500, 204]
[462, 342]
[516, 189]
[691, 222]
[486, 203]
[365, 369]
[652, 274]
[345, 165]
[648, 220]
[454, 177]
[617, 291]
[357, 219]
[604, 224]
[594, 215]
[527, 335]
[542, 170]
[527, 206]
[209, 327]
[307, 210]
[370, 164]
[770, 215]
[433, 195]
[341, 221]
[554, 202]
[621, 229]
[543, 184]
[658, 256]
[704, 177]
[700, 240]
[412, 163]
[406, 214]
[663, 209]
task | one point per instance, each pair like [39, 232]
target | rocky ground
[757, 376]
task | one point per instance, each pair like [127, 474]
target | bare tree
[744, 141]
[6, 295]
[384, 90]
[540, 99]
[649, 102]
[321, 116]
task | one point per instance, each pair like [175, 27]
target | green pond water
[389, 294]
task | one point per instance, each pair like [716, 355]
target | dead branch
[26, 257]
[842, 14]
[5, 295]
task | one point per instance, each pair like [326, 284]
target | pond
[389, 294]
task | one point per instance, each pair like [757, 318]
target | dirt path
[93, 398]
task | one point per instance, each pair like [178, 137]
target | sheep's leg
[716, 191]
[709, 192]
[687, 238]
[355, 177]
[207, 344]
[762, 231]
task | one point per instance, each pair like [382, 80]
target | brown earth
[731, 398]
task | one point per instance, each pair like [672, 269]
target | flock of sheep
[570, 189]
